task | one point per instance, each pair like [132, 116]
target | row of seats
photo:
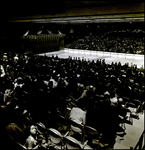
[37, 86]
[120, 41]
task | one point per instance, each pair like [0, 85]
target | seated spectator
[78, 115]
[31, 141]
[43, 144]
[10, 135]
[55, 83]
[87, 92]
[15, 133]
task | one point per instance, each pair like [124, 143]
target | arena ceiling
[66, 11]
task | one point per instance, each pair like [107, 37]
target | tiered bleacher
[37, 94]
[130, 41]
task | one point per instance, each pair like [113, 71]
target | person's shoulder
[30, 138]
[74, 109]
[77, 109]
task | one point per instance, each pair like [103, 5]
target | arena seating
[29, 98]
[119, 41]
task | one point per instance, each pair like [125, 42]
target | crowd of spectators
[120, 41]
[36, 88]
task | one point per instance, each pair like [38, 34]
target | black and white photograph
[72, 75]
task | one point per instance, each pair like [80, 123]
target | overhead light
[49, 32]
[39, 32]
[71, 31]
[59, 32]
[26, 33]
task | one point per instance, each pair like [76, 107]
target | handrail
[140, 142]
